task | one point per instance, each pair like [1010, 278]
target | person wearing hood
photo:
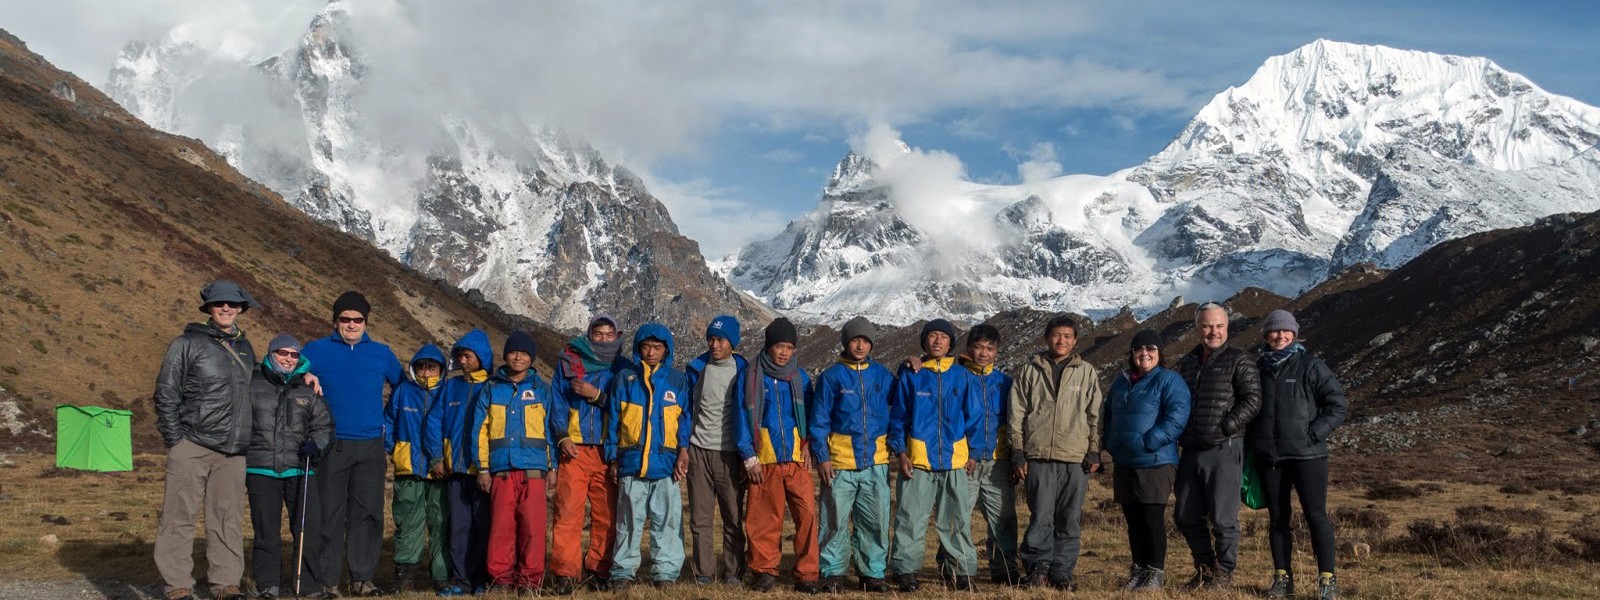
[291, 423]
[849, 435]
[584, 480]
[1054, 426]
[649, 437]
[1302, 402]
[772, 394]
[934, 413]
[1144, 413]
[449, 444]
[417, 505]
[716, 473]
[203, 413]
[514, 454]
[989, 486]
[353, 368]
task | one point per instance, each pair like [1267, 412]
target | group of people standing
[613, 435]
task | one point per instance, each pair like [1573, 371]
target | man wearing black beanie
[772, 394]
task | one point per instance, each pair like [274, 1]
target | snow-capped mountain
[537, 221]
[1330, 155]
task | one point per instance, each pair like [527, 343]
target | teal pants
[661, 502]
[990, 491]
[942, 496]
[862, 497]
[417, 507]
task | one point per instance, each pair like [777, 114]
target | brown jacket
[1050, 422]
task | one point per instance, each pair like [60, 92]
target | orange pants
[583, 480]
[783, 483]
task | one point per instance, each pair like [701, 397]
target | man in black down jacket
[203, 414]
[1225, 386]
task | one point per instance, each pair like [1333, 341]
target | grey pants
[350, 481]
[199, 477]
[1054, 492]
[1206, 505]
[716, 481]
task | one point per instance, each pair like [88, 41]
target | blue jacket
[850, 417]
[512, 421]
[1143, 420]
[576, 418]
[405, 419]
[449, 427]
[649, 416]
[769, 422]
[994, 394]
[352, 378]
[933, 413]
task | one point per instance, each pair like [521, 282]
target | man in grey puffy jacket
[203, 413]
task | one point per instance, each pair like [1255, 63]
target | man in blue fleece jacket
[353, 369]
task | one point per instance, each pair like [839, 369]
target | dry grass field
[1428, 539]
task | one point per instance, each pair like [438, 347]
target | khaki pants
[194, 475]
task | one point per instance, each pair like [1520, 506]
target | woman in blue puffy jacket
[1145, 411]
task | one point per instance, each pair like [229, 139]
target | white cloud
[711, 216]
[783, 155]
[1041, 164]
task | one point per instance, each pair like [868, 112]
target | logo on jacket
[670, 397]
[301, 401]
[527, 394]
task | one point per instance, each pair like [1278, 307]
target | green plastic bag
[1250, 489]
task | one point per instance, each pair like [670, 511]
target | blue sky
[736, 112]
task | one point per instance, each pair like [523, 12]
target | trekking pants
[990, 490]
[583, 480]
[350, 481]
[418, 508]
[661, 502]
[783, 484]
[1310, 479]
[716, 482]
[1054, 491]
[861, 497]
[1206, 503]
[467, 516]
[268, 497]
[198, 477]
[517, 528]
[937, 494]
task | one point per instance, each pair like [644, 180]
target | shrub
[1497, 514]
[1392, 490]
[1370, 517]
[1471, 544]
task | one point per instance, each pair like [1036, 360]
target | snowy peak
[1339, 97]
[853, 174]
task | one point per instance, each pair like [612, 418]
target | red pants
[579, 481]
[516, 530]
[783, 483]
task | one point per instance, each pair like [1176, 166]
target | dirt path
[75, 590]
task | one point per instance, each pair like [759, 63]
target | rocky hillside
[108, 228]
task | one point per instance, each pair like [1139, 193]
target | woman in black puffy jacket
[1301, 404]
[291, 424]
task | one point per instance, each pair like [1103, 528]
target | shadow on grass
[120, 570]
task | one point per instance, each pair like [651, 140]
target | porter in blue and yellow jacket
[994, 394]
[933, 412]
[449, 428]
[850, 415]
[770, 424]
[512, 421]
[649, 420]
[404, 418]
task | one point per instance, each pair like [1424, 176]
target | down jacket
[1143, 419]
[203, 389]
[286, 412]
[1301, 404]
[1225, 393]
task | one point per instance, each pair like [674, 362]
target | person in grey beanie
[1302, 403]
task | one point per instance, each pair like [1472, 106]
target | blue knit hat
[726, 327]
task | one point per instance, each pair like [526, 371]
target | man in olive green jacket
[1055, 434]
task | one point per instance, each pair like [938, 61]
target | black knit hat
[520, 341]
[779, 331]
[858, 327]
[939, 325]
[1147, 337]
[351, 300]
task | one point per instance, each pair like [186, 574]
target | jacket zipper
[983, 383]
[649, 405]
[861, 395]
[939, 403]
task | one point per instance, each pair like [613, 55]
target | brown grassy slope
[108, 229]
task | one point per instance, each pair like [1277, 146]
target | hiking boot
[621, 586]
[1012, 577]
[1203, 577]
[1065, 583]
[1328, 587]
[807, 587]
[364, 589]
[908, 583]
[733, 581]
[703, 580]
[562, 586]
[270, 593]
[597, 581]
[403, 577]
[831, 585]
[452, 590]
[229, 592]
[1154, 579]
[964, 583]
[662, 584]
[327, 594]
[1282, 585]
[763, 582]
[181, 594]
[1221, 580]
[874, 585]
[1136, 574]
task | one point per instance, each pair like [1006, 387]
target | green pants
[862, 497]
[941, 495]
[417, 506]
[990, 490]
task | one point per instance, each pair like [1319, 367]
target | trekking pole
[300, 551]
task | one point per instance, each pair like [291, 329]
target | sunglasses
[287, 353]
[1150, 349]
[356, 320]
[227, 304]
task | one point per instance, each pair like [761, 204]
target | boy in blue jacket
[417, 496]
[449, 450]
[849, 439]
[513, 453]
[772, 394]
[650, 439]
[989, 487]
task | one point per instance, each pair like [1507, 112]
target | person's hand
[437, 471]
[972, 465]
[914, 363]
[485, 482]
[569, 450]
[1094, 468]
[905, 465]
[825, 473]
[584, 388]
[752, 471]
[550, 481]
[1019, 473]
[681, 470]
[309, 450]
[315, 383]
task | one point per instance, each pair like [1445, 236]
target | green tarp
[93, 438]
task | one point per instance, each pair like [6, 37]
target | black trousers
[350, 478]
[1310, 479]
[268, 497]
[1147, 533]
[466, 510]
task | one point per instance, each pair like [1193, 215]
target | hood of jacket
[478, 342]
[427, 352]
[652, 330]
